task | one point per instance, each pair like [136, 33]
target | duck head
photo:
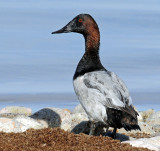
[83, 24]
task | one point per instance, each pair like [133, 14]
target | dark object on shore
[102, 94]
[55, 139]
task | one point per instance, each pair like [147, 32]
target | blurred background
[36, 68]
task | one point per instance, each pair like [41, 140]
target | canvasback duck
[103, 95]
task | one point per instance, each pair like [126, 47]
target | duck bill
[65, 29]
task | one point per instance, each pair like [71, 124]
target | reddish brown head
[86, 25]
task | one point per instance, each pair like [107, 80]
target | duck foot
[92, 128]
[112, 134]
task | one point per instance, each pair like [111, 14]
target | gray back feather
[111, 86]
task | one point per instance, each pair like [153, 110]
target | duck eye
[80, 20]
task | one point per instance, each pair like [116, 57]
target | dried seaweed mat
[55, 139]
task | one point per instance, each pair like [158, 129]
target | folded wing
[115, 92]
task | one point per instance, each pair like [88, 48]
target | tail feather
[119, 119]
[129, 127]
[129, 122]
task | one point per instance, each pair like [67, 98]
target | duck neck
[92, 42]
[90, 60]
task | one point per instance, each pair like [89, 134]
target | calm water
[32, 61]
[142, 101]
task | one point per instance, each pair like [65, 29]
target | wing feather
[115, 92]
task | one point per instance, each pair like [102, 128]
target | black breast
[89, 62]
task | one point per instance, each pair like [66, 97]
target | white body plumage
[100, 90]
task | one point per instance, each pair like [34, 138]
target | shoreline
[37, 101]
[20, 121]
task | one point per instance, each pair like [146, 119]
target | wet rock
[54, 117]
[150, 143]
[154, 121]
[15, 110]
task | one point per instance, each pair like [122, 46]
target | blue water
[142, 101]
[39, 101]
[34, 61]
